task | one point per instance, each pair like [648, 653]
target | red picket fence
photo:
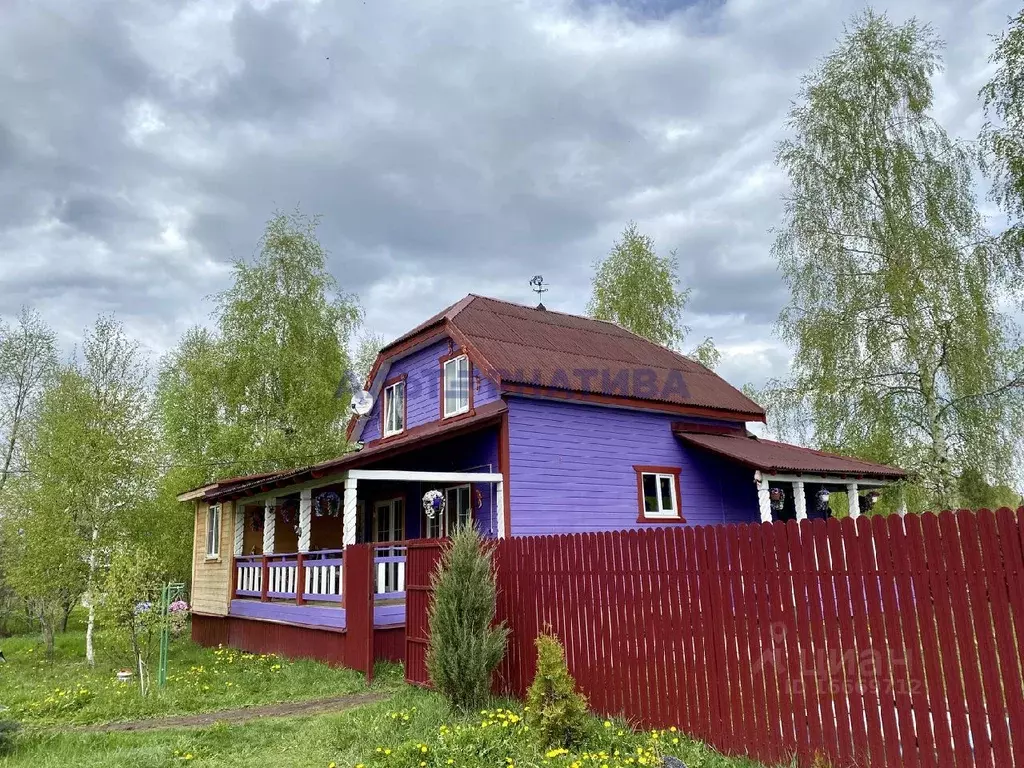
[881, 641]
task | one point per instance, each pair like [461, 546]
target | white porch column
[269, 519]
[499, 508]
[764, 501]
[305, 518]
[349, 515]
[851, 493]
[239, 529]
[799, 500]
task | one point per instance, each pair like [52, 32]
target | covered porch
[289, 561]
[291, 530]
[793, 482]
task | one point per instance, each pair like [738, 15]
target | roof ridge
[547, 309]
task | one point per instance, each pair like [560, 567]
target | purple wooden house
[522, 421]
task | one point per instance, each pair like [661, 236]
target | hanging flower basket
[433, 504]
[777, 496]
[327, 504]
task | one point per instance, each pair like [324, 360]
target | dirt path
[242, 715]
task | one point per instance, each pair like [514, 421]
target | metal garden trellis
[172, 590]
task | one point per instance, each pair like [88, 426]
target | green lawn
[411, 728]
[66, 691]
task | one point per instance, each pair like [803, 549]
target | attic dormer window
[456, 386]
[394, 407]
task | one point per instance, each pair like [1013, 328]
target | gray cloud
[451, 147]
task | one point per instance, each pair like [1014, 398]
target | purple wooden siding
[423, 388]
[473, 452]
[572, 469]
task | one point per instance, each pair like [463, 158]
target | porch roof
[771, 457]
[416, 437]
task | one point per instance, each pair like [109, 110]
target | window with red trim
[658, 493]
[455, 380]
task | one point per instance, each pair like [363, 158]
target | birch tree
[259, 391]
[283, 327]
[118, 451]
[45, 552]
[28, 357]
[901, 351]
[1003, 133]
[638, 289]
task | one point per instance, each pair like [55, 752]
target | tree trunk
[47, 634]
[940, 452]
[90, 651]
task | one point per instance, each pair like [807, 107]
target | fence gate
[422, 557]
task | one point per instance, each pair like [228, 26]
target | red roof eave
[782, 458]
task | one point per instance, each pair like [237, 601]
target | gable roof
[542, 351]
[772, 457]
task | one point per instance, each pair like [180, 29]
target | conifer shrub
[557, 712]
[465, 644]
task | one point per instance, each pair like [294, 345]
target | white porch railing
[389, 565]
[249, 575]
[323, 575]
[321, 578]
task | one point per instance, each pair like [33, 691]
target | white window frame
[453, 519]
[462, 408]
[661, 512]
[449, 518]
[392, 414]
[213, 532]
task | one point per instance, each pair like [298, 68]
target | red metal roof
[770, 456]
[540, 347]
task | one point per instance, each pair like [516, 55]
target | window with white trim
[456, 386]
[659, 495]
[394, 408]
[213, 531]
[458, 512]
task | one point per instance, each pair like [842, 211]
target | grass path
[239, 715]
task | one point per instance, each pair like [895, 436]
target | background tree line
[900, 318]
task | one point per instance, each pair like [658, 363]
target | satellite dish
[362, 403]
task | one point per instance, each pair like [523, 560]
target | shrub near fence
[880, 641]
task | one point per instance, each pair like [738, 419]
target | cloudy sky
[451, 146]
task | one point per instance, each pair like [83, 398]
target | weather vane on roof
[537, 281]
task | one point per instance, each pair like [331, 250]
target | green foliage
[258, 392]
[464, 647]
[556, 711]
[44, 557]
[1002, 136]
[902, 355]
[976, 493]
[129, 614]
[636, 288]
[367, 349]
[283, 331]
[28, 360]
